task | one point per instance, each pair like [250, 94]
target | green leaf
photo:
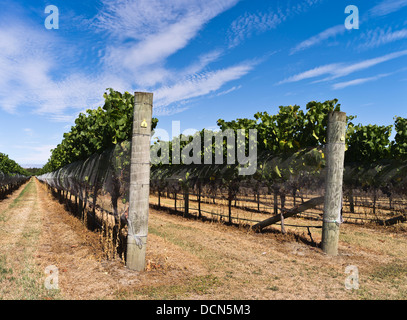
[277, 170]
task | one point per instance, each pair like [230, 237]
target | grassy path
[20, 225]
[187, 259]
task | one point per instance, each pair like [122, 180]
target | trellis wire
[100, 187]
[10, 182]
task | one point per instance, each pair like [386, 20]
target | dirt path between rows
[19, 230]
[63, 241]
[188, 259]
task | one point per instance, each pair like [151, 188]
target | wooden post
[275, 201]
[80, 208]
[199, 200]
[230, 198]
[186, 202]
[289, 213]
[139, 182]
[295, 197]
[282, 198]
[258, 200]
[335, 155]
[351, 201]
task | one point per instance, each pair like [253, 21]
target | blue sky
[202, 59]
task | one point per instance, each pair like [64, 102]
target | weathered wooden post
[186, 202]
[199, 199]
[282, 198]
[139, 182]
[335, 155]
[230, 198]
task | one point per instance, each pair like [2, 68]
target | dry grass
[191, 259]
[363, 213]
[21, 228]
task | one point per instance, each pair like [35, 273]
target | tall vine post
[139, 182]
[335, 156]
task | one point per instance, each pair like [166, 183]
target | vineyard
[193, 187]
[90, 171]
[97, 191]
[12, 176]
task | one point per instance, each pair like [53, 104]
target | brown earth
[189, 259]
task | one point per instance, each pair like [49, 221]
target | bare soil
[190, 259]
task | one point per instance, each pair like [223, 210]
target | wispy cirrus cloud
[320, 37]
[152, 30]
[156, 48]
[142, 18]
[234, 88]
[29, 61]
[152, 34]
[138, 38]
[249, 24]
[312, 73]
[34, 154]
[337, 70]
[379, 36]
[372, 38]
[201, 84]
[354, 82]
[346, 70]
[386, 7]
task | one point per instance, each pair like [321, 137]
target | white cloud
[256, 23]
[140, 37]
[34, 154]
[337, 70]
[143, 18]
[341, 85]
[250, 23]
[156, 30]
[228, 91]
[156, 48]
[23, 64]
[312, 73]
[379, 36]
[199, 85]
[387, 6]
[367, 64]
[28, 131]
[203, 61]
[63, 118]
[153, 30]
[28, 69]
[317, 39]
